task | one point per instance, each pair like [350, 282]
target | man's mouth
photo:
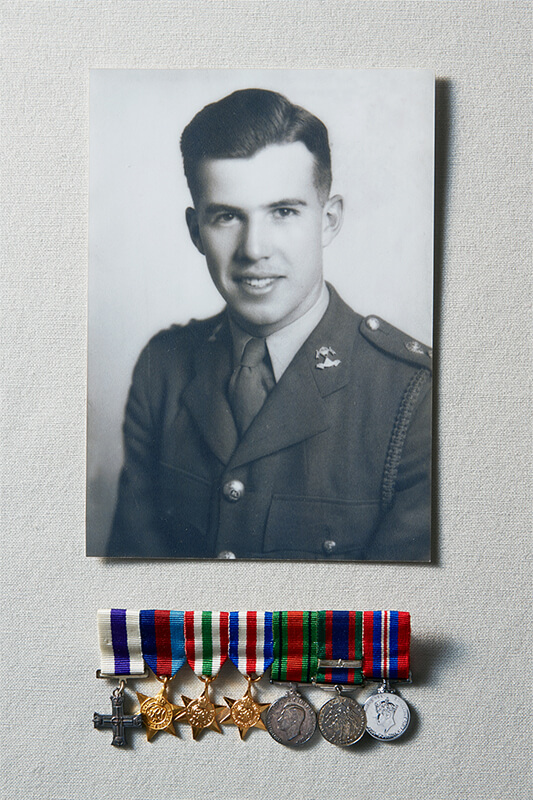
[258, 283]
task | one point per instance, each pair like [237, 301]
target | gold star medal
[201, 713]
[164, 652]
[206, 648]
[251, 650]
[158, 713]
[245, 713]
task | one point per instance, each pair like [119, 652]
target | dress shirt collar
[283, 344]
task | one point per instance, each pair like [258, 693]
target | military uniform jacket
[336, 465]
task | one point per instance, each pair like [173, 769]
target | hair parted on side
[246, 121]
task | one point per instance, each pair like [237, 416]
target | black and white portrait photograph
[260, 314]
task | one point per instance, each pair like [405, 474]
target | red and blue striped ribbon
[163, 641]
[120, 642]
[340, 636]
[386, 644]
[251, 646]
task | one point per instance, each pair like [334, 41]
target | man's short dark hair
[246, 121]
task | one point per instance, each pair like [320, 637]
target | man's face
[261, 225]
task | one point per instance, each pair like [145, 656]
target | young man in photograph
[287, 426]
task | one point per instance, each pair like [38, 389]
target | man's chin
[257, 324]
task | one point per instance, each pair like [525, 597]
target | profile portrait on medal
[290, 721]
[385, 714]
[272, 343]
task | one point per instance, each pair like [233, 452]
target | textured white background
[470, 608]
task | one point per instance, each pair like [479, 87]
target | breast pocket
[319, 528]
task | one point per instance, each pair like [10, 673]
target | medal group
[335, 650]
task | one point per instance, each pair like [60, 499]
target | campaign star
[158, 713]
[201, 713]
[245, 713]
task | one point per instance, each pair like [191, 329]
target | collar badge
[214, 334]
[325, 353]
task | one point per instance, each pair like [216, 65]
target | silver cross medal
[325, 353]
[117, 720]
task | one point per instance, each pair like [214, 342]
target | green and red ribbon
[295, 646]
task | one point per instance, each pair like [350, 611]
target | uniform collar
[283, 344]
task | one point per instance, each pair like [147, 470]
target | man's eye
[225, 217]
[284, 213]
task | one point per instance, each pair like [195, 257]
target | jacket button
[226, 554]
[233, 491]
[373, 323]
[329, 546]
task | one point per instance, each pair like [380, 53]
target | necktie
[250, 383]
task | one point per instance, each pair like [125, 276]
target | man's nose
[255, 242]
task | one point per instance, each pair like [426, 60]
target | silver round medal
[387, 715]
[342, 721]
[291, 720]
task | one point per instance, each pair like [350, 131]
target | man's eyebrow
[289, 201]
[216, 208]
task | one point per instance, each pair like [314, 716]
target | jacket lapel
[205, 396]
[295, 409]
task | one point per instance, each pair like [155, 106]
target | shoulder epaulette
[396, 343]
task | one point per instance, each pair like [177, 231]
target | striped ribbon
[163, 641]
[340, 636]
[295, 646]
[120, 642]
[386, 643]
[206, 641]
[251, 646]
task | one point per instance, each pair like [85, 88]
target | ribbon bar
[386, 644]
[163, 642]
[295, 646]
[120, 642]
[206, 641]
[251, 647]
[302, 646]
[340, 645]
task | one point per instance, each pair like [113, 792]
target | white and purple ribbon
[119, 636]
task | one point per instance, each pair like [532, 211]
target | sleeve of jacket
[136, 521]
[404, 532]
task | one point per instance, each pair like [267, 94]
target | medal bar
[341, 721]
[331, 650]
[291, 720]
[120, 658]
[386, 657]
[206, 648]
[251, 650]
[163, 649]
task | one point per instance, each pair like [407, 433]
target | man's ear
[191, 218]
[333, 214]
